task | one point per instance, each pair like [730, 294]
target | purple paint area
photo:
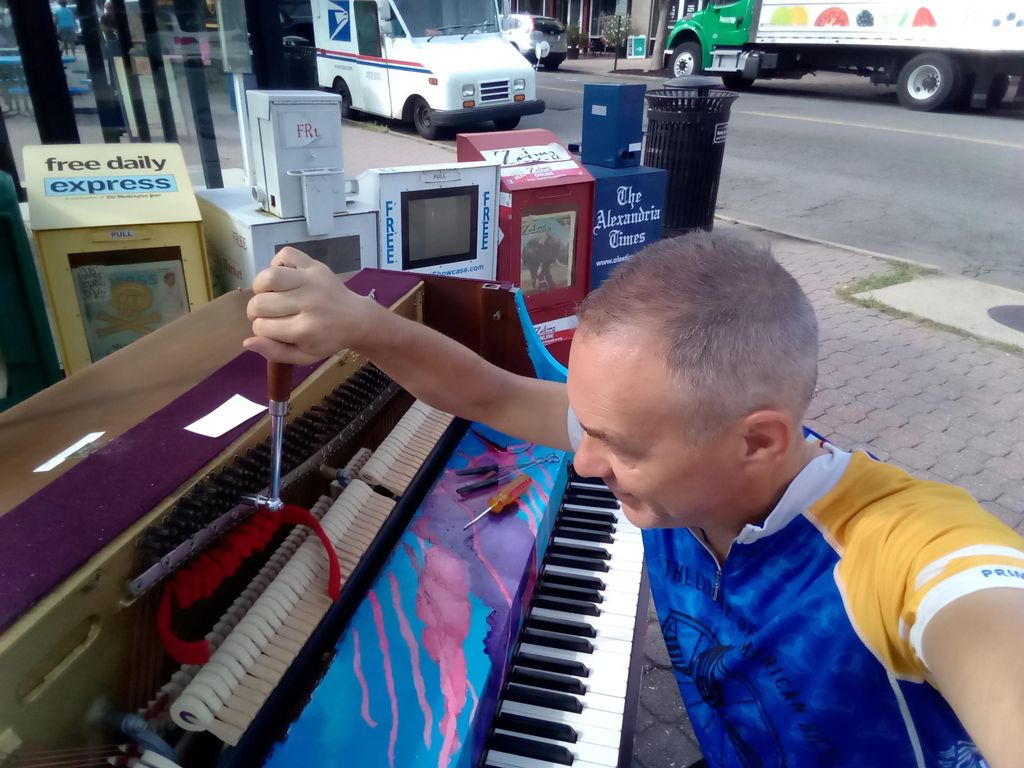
[46, 537]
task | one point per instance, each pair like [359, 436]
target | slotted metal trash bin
[687, 123]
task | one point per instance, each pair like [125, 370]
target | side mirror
[506, 7]
[384, 10]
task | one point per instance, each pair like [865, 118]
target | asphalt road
[836, 158]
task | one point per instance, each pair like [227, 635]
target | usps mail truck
[434, 63]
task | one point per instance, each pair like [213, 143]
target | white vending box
[297, 160]
[241, 239]
[436, 219]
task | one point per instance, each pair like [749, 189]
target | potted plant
[572, 41]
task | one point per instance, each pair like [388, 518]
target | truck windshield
[429, 18]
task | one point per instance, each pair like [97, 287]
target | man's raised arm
[302, 313]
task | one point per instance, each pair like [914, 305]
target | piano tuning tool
[279, 388]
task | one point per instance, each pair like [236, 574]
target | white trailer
[434, 63]
[938, 53]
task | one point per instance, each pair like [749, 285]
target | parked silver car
[525, 30]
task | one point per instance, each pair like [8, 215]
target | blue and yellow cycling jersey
[804, 647]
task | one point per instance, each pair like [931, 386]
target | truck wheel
[347, 113]
[421, 120]
[928, 82]
[734, 81]
[686, 60]
[506, 123]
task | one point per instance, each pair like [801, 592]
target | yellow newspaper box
[119, 237]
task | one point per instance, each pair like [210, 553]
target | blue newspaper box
[628, 204]
[613, 131]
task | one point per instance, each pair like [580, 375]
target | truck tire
[928, 82]
[734, 81]
[347, 113]
[421, 119]
[686, 60]
[506, 123]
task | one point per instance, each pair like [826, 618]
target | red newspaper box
[546, 216]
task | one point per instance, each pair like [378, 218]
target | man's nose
[590, 460]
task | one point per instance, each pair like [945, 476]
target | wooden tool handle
[279, 381]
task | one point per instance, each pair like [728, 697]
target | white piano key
[581, 750]
[607, 625]
[622, 586]
[592, 700]
[595, 718]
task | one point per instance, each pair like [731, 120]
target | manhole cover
[1010, 315]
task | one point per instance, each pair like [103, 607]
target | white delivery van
[435, 63]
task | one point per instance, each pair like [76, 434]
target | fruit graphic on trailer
[790, 16]
[923, 18]
[865, 19]
[832, 17]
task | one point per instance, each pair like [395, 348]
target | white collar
[814, 481]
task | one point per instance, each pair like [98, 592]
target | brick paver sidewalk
[942, 406]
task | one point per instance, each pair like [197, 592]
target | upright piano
[151, 617]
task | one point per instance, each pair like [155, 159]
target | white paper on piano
[227, 416]
[71, 449]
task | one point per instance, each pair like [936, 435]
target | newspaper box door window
[548, 252]
[123, 296]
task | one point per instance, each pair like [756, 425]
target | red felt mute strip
[201, 578]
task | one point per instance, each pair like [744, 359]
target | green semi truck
[939, 53]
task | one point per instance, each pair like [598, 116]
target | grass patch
[372, 125]
[905, 273]
[901, 273]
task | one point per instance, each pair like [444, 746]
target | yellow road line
[844, 124]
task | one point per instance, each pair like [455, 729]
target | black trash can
[687, 122]
[300, 67]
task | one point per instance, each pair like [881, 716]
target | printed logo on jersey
[746, 736]
[338, 28]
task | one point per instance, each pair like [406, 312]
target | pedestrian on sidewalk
[819, 607]
[64, 18]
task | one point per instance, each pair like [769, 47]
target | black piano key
[531, 725]
[581, 550]
[541, 698]
[583, 534]
[550, 680]
[566, 604]
[556, 640]
[572, 521]
[564, 591]
[565, 626]
[592, 499]
[583, 582]
[538, 750]
[583, 563]
[562, 666]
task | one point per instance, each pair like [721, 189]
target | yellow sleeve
[908, 548]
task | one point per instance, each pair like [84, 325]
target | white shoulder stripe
[957, 586]
[936, 567]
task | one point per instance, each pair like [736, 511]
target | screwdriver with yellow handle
[506, 495]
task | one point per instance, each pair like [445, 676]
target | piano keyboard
[269, 623]
[567, 699]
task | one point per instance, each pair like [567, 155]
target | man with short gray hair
[820, 607]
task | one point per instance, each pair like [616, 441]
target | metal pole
[264, 25]
[106, 101]
[160, 72]
[124, 39]
[44, 71]
[190, 19]
[7, 164]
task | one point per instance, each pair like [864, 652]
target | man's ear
[767, 435]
